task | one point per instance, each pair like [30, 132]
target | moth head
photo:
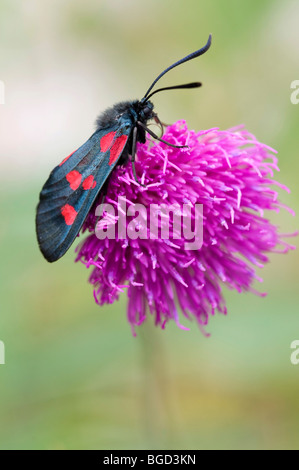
[146, 111]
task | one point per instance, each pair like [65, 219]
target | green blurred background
[74, 376]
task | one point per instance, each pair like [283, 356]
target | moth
[72, 187]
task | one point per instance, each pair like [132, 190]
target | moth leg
[158, 138]
[160, 124]
[134, 145]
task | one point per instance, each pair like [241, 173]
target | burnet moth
[72, 187]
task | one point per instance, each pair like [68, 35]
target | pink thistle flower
[228, 172]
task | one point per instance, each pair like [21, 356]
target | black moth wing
[73, 186]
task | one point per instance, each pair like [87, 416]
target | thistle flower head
[227, 173]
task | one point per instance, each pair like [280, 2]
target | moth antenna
[176, 87]
[191, 56]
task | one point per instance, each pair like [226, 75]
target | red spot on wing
[89, 182]
[106, 141]
[74, 178]
[66, 158]
[69, 213]
[117, 148]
